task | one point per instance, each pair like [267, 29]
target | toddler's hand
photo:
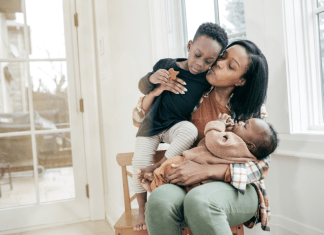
[160, 76]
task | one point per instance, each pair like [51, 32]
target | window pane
[50, 94]
[14, 115]
[12, 42]
[45, 20]
[320, 3]
[198, 12]
[16, 165]
[231, 15]
[321, 42]
[55, 158]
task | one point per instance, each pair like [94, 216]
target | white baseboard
[111, 222]
[283, 224]
[27, 229]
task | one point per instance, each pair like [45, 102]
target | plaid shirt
[241, 174]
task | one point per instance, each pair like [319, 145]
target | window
[319, 15]
[304, 22]
[229, 14]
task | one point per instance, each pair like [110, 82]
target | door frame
[86, 48]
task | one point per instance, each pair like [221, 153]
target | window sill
[304, 145]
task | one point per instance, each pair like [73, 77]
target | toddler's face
[202, 54]
[252, 130]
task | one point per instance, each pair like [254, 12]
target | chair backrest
[125, 159]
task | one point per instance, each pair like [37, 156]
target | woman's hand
[172, 86]
[187, 173]
[162, 77]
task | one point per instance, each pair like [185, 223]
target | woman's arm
[238, 174]
[189, 172]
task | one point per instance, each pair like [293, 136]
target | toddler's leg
[145, 148]
[181, 137]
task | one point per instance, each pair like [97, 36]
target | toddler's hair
[213, 31]
[267, 145]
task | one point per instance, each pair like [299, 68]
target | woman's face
[230, 68]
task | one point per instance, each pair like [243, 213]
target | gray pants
[180, 137]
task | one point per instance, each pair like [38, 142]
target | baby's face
[252, 130]
[202, 54]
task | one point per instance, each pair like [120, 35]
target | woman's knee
[196, 204]
[165, 201]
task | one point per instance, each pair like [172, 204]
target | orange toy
[173, 73]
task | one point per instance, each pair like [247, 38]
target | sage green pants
[207, 209]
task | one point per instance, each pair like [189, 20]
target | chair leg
[238, 229]
[118, 232]
[9, 170]
[186, 231]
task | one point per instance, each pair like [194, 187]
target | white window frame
[303, 66]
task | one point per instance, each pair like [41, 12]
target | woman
[240, 79]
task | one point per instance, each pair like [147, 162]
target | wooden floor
[100, 227]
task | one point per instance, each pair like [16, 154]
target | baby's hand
[227, 120]
[160, 76]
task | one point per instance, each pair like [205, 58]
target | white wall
[294, 184]
[123, 28]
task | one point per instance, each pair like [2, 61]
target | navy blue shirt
[168, 109]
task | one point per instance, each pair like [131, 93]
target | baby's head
[259, 136]
[208, 43]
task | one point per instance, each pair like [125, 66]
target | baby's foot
[149, 176]
[146, 185]
[140, 223]
[141, 172]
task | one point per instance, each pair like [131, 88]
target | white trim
[301, 145]
[293, 226]
[31, 60]
[43, 226]
[88, 76]
[318, 10]
[23, 133]
[216, 12]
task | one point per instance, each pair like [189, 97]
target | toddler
[168, 115]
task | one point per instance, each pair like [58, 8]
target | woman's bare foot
[140, 223]
[146, 185]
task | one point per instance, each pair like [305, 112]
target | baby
[250, 141]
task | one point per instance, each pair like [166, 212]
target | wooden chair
[126, 222]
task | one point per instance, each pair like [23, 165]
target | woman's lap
[208, 209]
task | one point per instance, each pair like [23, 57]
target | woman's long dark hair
[248, 99]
